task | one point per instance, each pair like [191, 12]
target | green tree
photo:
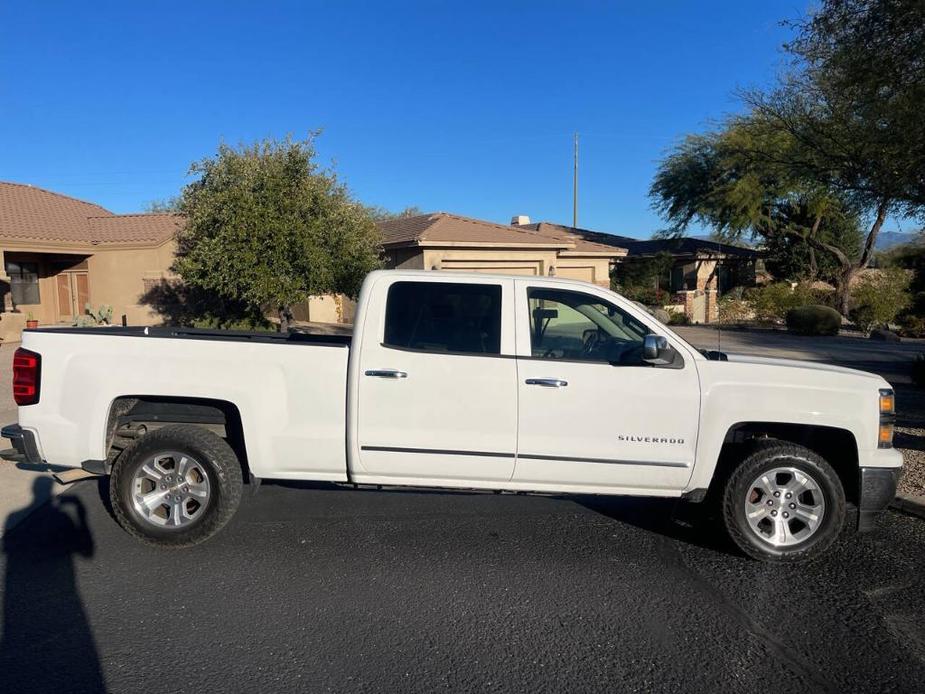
[854, 104]
[880, 298]
[169, 205]
[646, 279]
[842, 133]
[792, 257]
[381, 214]
[737, 181]
[268, 227]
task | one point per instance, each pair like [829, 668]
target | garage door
[585, 274]
[531, 270]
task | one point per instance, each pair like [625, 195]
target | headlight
[887, 402]
[887, 416]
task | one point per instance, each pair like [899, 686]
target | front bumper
[876, 489]
[24, 448]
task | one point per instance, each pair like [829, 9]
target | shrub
[678, 318]
[734, 309]
[772, 301]
[813, 320]
[879, 297]
[912, 326]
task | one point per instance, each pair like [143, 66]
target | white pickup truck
[471, 381]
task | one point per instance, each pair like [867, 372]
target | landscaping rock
[884, 335]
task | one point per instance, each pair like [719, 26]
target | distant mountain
[890, 239]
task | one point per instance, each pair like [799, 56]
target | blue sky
[467, 107]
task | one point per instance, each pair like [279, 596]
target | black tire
[764, 458]
[215, 459]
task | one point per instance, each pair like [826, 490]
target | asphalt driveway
[325, 589]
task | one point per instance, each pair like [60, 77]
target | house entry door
[73, 294]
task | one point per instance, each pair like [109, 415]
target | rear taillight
[27, 370]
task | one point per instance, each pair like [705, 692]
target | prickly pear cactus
[91, 317]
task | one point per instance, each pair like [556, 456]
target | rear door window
[444, 317]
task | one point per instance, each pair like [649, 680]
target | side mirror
[657, 351]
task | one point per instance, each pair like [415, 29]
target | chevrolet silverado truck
[489, 382]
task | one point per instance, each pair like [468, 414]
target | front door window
[580, 327]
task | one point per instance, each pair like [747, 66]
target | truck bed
[291, 401]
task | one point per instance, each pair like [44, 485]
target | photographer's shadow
[46, 643]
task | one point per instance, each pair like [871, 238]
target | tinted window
[581, 327]
[444, 317]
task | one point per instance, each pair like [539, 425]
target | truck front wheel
[783, 503]
[176, 486]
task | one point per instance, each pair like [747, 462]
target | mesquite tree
[841, 136]
[267, 226]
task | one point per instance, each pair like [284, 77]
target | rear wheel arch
[132, 416]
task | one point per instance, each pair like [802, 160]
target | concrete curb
[913, 505]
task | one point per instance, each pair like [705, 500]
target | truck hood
[797, 364]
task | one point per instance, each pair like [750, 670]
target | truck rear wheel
[783, 503]
[176, 486]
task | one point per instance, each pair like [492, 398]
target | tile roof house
[58, 253]
[444, 241]
[701, 269]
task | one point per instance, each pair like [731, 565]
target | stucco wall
[117, 278]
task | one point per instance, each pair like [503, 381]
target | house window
[24, 282]
[444, 317]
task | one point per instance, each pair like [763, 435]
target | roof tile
[443, 227]
[28, 213]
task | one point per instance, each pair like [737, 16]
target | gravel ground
[911, 441]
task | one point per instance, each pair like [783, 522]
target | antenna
[575, 186]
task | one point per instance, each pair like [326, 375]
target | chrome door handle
[546, 382]
[387, 373]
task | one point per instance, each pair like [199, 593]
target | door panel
[611, 426]
[436, 398]
[65, 298]
[451, 417]
[82, 290]
[590, 422]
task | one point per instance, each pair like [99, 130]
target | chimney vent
[519, 220]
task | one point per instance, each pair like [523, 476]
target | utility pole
[575, 186]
